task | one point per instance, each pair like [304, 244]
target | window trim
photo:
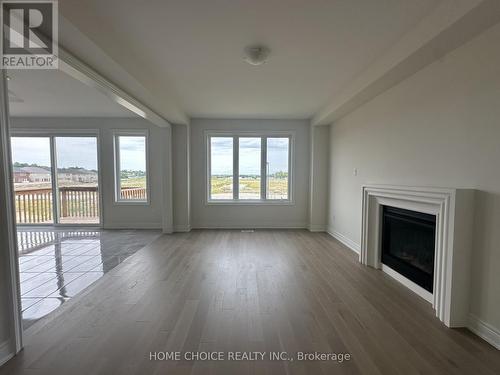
[264, 135]
[117, 181]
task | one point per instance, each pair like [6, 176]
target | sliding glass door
[77, 180]
[32, 176]
[56, 180]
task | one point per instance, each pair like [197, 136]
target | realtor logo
[29, 34]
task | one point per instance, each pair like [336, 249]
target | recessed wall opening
[56, 144]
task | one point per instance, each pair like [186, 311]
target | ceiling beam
[77, 69]
[451, 25]
[85, 74]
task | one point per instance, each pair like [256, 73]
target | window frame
[117, 180]
[264, 135]
[53, 133]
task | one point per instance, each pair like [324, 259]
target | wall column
[10, 320]
[318, 189]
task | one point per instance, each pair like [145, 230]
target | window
[221, 166]
[77, 180]
[56, 178]
[33, 188]
[277, 168]
[249, 168]
[131, 167]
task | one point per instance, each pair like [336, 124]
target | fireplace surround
[454, 212]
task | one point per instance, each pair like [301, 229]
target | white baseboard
[138, 225]
[484, 330]
[354, 246]
[316, 228]
[5, 352]
[182, 228]
[214, 225]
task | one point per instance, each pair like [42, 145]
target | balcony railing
[133, 193]
[34, 206]
[77, 204]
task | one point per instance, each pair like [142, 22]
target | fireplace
[453, 233]
[408, 244]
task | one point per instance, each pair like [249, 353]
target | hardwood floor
[268, 291]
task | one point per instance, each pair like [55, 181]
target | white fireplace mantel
[454, 210]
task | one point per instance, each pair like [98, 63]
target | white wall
[116, 215]
[180, 176]
[238, 216]
[440, 127]
[318, 197]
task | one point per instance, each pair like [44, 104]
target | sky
[71, 151]
[81, 152]
[76, 152]
[249, 155]
[31, 150]
[132, 153]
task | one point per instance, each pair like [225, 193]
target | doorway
[56, 179]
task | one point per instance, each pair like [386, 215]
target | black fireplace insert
[408, 244]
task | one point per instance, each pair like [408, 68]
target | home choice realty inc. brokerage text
[249, 356]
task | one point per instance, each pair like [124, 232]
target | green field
[222, 187]
[135, 182]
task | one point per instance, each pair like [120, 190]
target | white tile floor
[57, 264]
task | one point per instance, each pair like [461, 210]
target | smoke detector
[256, 55]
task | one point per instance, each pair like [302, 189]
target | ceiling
[188, 53]
[53, 93]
